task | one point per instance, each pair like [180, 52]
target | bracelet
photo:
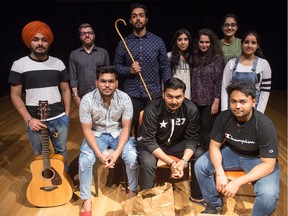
[28, 121]
[185, 162]
[172, 163]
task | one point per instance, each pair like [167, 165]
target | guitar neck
[43, 113]
[45, 149]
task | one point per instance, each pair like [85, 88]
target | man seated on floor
[106, 117]
[170, 127]
[241, 138]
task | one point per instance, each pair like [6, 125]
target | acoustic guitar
[49, 185]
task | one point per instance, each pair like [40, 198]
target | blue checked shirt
[150, 52]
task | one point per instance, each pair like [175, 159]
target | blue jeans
[59, 125]
[87, 159]
[266, 189]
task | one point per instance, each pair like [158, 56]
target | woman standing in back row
[206, 78]
[250, 67]
[181, 58]
[230, 44]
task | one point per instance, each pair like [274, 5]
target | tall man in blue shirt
[151, 60]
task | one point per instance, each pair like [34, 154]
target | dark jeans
[148, 165]
[206, 124]
[139, 105]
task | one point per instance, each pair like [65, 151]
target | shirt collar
[147, 35]
[95, 48]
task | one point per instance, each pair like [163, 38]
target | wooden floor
[15, 174]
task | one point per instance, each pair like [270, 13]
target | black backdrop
[267, 17]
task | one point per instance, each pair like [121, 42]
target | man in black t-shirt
[244, 138]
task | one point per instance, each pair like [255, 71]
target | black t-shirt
[257, 137]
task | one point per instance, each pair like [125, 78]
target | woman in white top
[250, 67]
[180, 58]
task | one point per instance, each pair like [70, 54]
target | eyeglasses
[226, 25]
[110, 81]
[84, 33]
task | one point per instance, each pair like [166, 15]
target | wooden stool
[233, 174]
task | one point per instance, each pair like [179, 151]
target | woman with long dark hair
[206, 78]
[251, 67]
[181, 58]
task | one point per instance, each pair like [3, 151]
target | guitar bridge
[51, 188]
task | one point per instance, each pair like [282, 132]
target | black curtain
[267, 17]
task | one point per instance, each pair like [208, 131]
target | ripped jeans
[87, 159]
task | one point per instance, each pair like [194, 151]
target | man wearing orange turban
[43, 78]
[32, 28]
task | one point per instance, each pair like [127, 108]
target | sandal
[201, 203]
[85, 213]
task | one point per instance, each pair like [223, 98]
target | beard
[88, 44]
[138, 27]
[172, 107]
[242, 115]
[107, 92]
[40, 54]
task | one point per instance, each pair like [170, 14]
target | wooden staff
[131, 55]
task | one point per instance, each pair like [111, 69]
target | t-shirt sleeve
[217, 132]
[268, 141]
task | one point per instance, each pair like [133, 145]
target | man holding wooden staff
[151, 61]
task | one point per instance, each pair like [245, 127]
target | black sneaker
[201, 203]
[213, 210]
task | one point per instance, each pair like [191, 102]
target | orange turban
[31, 29]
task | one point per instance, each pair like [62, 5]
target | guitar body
[49, 187]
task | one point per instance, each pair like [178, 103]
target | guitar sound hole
[48, 173]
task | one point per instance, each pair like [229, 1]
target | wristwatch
[185, 162]
[74, 94]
